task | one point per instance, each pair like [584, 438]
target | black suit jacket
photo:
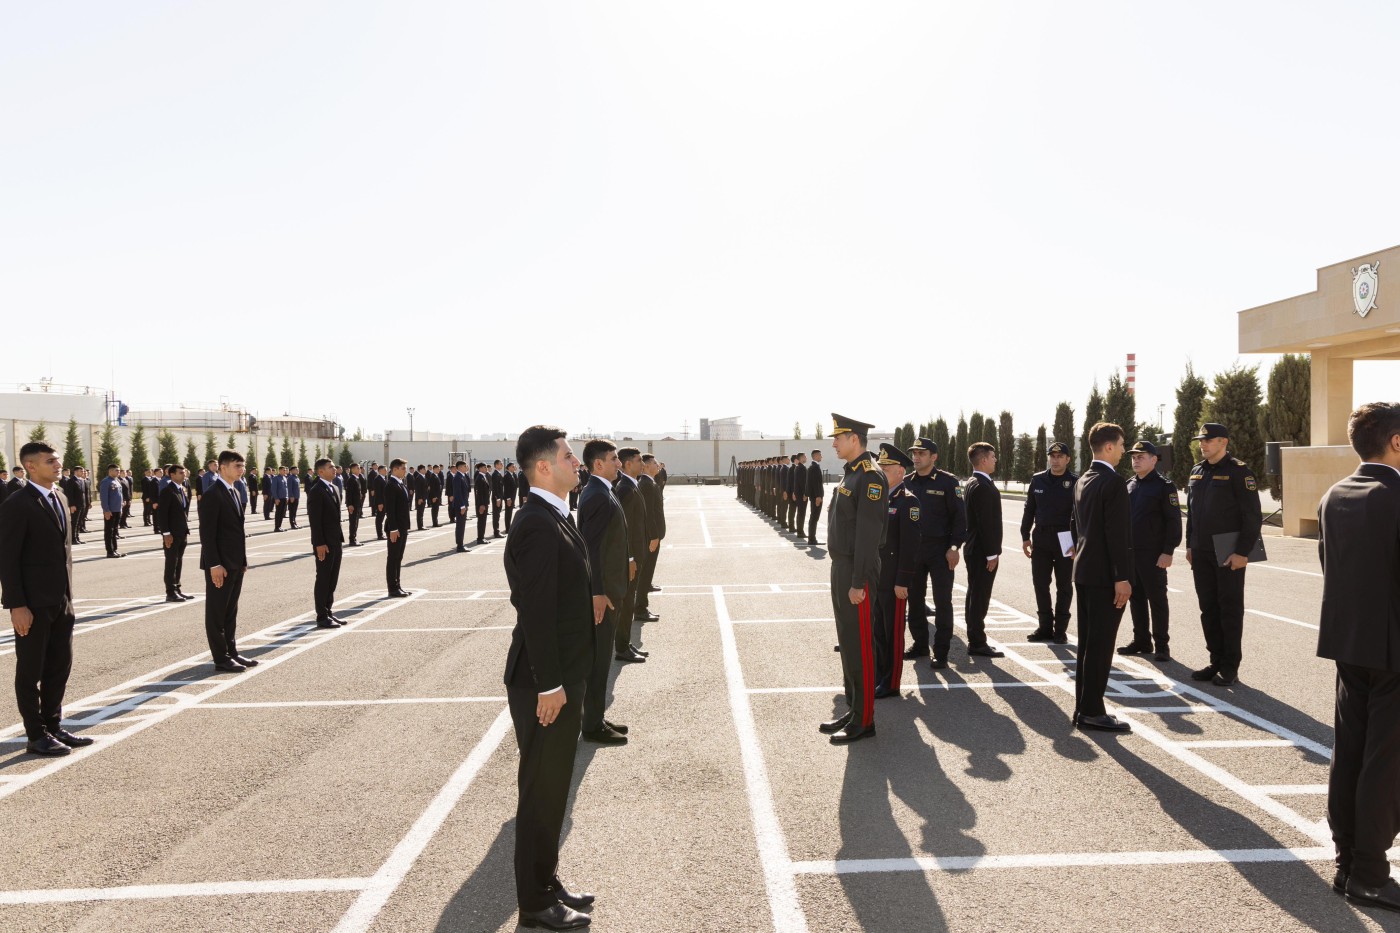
[172, 515]
[509, 484]
[481, 487]
[222, 542]
[815, 486]
[656, 518]
[1358, 545]
[634, 508]
[395, 506]
[323, 511]
[547, 569]
[354, 490]
[604, 530]
[983, 518]
[376, 489]
[36, 552]
[497, 485]
[1103, 548]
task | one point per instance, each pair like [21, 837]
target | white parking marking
[199, 889]
[1063, 860]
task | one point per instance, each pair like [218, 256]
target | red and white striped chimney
[1132, 374]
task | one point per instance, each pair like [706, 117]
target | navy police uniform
[1156, 524]
[899, 562]
[942, 526]
[1049, 511]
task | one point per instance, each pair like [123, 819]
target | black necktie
[57, 510]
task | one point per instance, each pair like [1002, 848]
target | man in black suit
[481, 488]
[85, 505]
[173, 525]
[604, 530]
[547, 670]
[509, 486]
[223, 556]
[418, 484]
[17, 481]
[816, 486]
[72, 491]
[1359, 547]
[267, 492]
[498, 498]
[36, 585]
[148, 497]
[4, 485]
[1103, 573]
[459, 493]
[434, 479]
[251, 478]
[327, 538]
[983, 546]
[634, 509]
[396, 519]
[354, 500]
[378, 481]
[127, 489]
[656, 533]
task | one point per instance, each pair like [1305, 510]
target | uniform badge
[1250, 484]
[843, 490]
[1365, 282]
[1171, 497]
[957, 491]
[872, 492]
[1065, 484]
[914, 513]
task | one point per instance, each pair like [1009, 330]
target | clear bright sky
[635, 214]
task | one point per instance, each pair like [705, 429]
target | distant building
[721, 429]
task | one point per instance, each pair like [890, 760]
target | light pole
[410, 425]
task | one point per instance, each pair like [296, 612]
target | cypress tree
[39, 432]
[303, 465]
[939, 435]
[287, 460]
[1236, 403]
[192, 463]
[251, 457]
[975, 430]
[1287, 415]
[1007, 441]
[960, 448]
[347, 460]
[210, 451]
[73, 446]
[1041, 444]
[270, 461]
[1093, 414]
[1186, 422]
[1025, 457]
[140, 455]
[169, 452]
[1120, 408]
[1063, 429]
[108, 452]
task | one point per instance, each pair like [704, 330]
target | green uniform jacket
[857, 519]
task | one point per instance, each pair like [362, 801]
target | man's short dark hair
[816, 453]
[628, 454]
[421, 467]
[1103, 433]
[460, 463]
[230, 456]
[170, 468]
[324, 461]
[110, 466]
[976, 453]
[396, 463]
[34, 449]
[537, 442]
[495, 463]
[648, 458]
[1371, 427]
[481, 465]
[597, 449]
[211, 463]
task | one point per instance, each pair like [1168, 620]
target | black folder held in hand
[1225, 546]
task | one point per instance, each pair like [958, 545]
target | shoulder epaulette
[870, 467]
[1238, 461]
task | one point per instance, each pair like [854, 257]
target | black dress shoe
[653, 589]
[620, 730]
[636, 650]
[913, 654]
[940, 664]
[604, 736]
[985, 651]
[229, 667]
[327, 623]
[882, 692]
[1163, 654]
[1060, 638]
[46, 745]
[1339, 881]
[1040, 634]
[174, 598]
[1105, 723]
[118, 554]
[835, 725]
[1386, 896]
[462, 549]
[397, 594]
[569, 899]
[629, 658]
[848, 735]
[1133, 647]
[645, 616]
[558, 917]
[1206, 673]
[1224, 679]
[69, 739]
[246, 662]
[183, 595]
[338, 620]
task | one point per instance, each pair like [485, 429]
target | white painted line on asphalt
[705, 530]
[1063, 860]
[388, 701]
[921, 688]
[440, 628]
[84, 627]
[772, 621]
[1287, 790]
[199, 889]
[397, 866]
[1168, 709]
[1270, 615]
[768, 832]
[1237, 743]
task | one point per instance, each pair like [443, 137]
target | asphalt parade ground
[364, 778]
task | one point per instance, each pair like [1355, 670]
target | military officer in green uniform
[1222, 496]
[856, 523]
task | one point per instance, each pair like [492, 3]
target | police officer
[1048, 514]
[942, 531]
[855, 533]
[1156, 522]
[899, 561]
[1222, 497]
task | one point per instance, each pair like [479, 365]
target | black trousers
[496, 517]
[174, 561]
[354, 524]
[933, 563]
[460, 520]
[480, 525]
[1363, 791]
[279, 513]
[889, 639]
[573, 499]
[510, 512]
[596, 698]
[378, 523]
[1098, 632]
[422, 504]
[73, 526]
[812, 521]
[267, 507]
[221, 614]
[437, 504]
[979, 597]
[292, 506]
[1047, 560]
[854, 633]
[109, 532]
[546, 771]
[622, 631]
[145, 511]
[43, 660]
[1220, 592]
[327, 576]
[393, 563]
[126, 511]
[252, 503]
[1149, 599]
[646, 569]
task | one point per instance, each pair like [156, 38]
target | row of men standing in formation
[788, 489]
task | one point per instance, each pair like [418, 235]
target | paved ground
[363, 779]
